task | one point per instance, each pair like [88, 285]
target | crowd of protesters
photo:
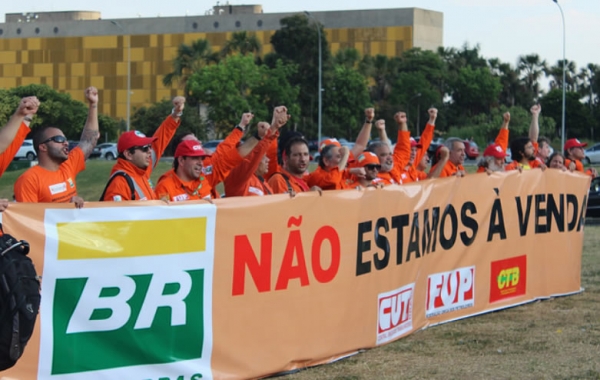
[265, 163]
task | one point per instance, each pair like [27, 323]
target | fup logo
[450, 291]
[394, 313]
[98, 319]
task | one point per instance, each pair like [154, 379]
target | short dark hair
[287, 149]
[517, 148]
[39, 137]
[543, 140]
[326, 152]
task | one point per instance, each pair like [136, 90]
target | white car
[26, 151]
[107, 151]
[592, 154]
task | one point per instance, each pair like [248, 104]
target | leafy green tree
[475, 90]
[241, 42]
[189, 59]
[578, 120]
[532, 67]
[346, 98]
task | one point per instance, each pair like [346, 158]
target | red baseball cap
[574, 143]
[366, 158]
[190, 148]
[494, 150]
[326, 142]
[415, 143]
[133, 138]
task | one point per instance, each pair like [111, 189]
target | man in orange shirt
[392, 164]
[456, 158]
[523, 155]
[138, 156]
[331, 172]
[53, 180]
[369, 163]
[13, 134]
[574, 154]
[247, 179]
[290, 179]
[418, 150]
[493, 159]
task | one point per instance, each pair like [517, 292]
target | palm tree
[509, 79]
[189, 59]
[348, 58]
[556, 72]
[531, 68]
[242, 43]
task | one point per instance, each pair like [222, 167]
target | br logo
[111, 321]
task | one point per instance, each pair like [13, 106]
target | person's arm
[402, 149]
[380, 126]
[426, 136]
[90, 133]
[502, 138]
[534, 127]
[280, 117]
[437, 170]
[237, 180]
[345, 152]
[25, 111]
[166, 131]
[248, 145]
[362, 140]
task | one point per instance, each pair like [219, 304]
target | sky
[504, 29]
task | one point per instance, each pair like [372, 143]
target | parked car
[26, 151]
[593, 205]
[592, 154]
[471, 149]
[72, 144]
[107, 151]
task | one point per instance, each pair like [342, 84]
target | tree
[556, 73]
[348, 58]
[189, 59]
[241, 42]
[475, 91]
[531, 68]
[578, 120]
[346, 98]
[58, 110]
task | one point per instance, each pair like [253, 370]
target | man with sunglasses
[138, 156]
[370, 163]
[53, 180]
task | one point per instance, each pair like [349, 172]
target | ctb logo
[508, 278]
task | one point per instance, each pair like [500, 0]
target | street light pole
[128, 72]
[564, 83]
[320, 75]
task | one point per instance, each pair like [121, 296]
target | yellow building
[70, 51]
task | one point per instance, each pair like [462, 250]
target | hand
[380, 124]
[506, 117]
[400, 117]
[358, 172]
[280, 117]
[246, 119]
[28, 106]
[344, 151]
[369, 114]
[444, 153]
[535, 109]
[432, 115]
[78, 201]
[178, 104]
[91, 95]
[572, 166]
[262, 129]
[3, 204]
[317, 188]
[543, 167]
[594, 172]
[460, 173]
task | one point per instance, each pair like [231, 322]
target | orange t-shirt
[449, 169]
[242, 181]
[39, 185]
[578, 166]
[118, 189]
[401, 158]
[332, 179]
[279, 184]
[170, 187]
[7, 156]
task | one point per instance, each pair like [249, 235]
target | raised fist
[444, 152]
[178, 104]
[263, 128]
[91, 95]
[536, 109]
[432, 112]
[380, 124]
[246, 119]
[280, 117]
[28, 106]
[370, 114]
[400, 117]
[506, 117]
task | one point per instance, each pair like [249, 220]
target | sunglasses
[145, 148]
[57, 139]
[373, 167]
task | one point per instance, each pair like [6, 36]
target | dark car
[593, 205]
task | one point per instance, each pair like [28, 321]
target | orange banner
[254, 286]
